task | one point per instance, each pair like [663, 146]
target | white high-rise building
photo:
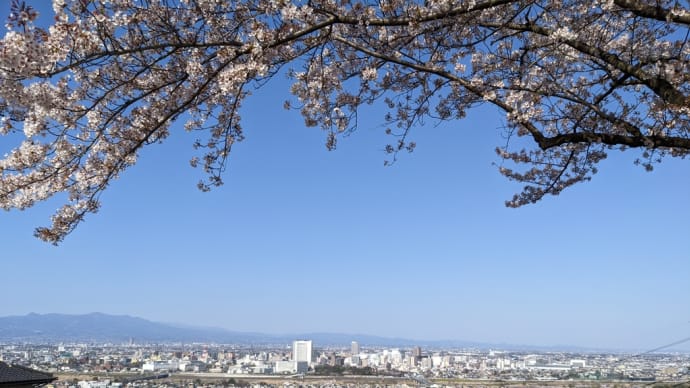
[354, 348]
[301, 351]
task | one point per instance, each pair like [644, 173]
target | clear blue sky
[301, 240]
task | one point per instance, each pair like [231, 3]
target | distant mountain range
[99, 327]
[105, 328]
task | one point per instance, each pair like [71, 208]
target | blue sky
[301, 240]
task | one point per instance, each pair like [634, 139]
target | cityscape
[304, 363]
[344, 194]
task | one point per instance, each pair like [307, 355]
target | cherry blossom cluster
[575, 79]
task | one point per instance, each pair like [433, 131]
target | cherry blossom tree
[81, 98]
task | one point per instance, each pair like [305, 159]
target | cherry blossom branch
[655, 12]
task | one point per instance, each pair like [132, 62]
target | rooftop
[15, 375]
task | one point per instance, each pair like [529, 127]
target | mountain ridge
[97, 327]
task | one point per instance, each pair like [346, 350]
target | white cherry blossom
[84, 96]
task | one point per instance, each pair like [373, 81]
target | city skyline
[215, 362]
[303, 240]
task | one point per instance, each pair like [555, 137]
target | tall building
[354, 354]
[354, 348]
[301, 351]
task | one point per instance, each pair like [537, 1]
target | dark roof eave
[28, 382]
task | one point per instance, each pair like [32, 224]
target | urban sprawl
[303, 364]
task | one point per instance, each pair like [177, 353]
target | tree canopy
[81, 98]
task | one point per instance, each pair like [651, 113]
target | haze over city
[302, 240]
